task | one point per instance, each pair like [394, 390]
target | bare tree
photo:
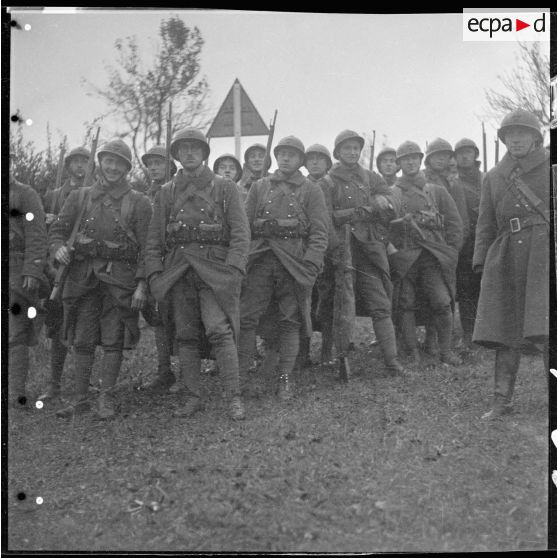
[526, 86]
[138, 97]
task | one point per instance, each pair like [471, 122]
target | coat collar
[342, 172]
[527, 163]
[296, 179]
[116, 191]
[405, 182]
[199, 179]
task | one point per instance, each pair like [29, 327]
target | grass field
[378, 465]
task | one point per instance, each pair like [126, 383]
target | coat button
[181, 211]
[182, 247]
[201, 246]
[350, 197]
[269, 201]
[201, 222]
[202, 209]
[267, 212]
[520, 241]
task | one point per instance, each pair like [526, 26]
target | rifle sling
[534, 201]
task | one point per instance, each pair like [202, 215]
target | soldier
[158, 316]
[254, 162]
[358, 196]
[468, 283]
[287, 214]
[228, 166]
[386, 163]
[27, 258]
[155, 160]
[105, 286]
[512, 253]
[317, 161]
[196, 256]
[75, 164]
[428, 236]
[437, 170]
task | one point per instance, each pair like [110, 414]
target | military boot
[285, 389]
[190, 368]
[58, 352]
[385, 333]
[327, 344]
[110, 367]
[303, 357]
[444, 322]
[236, 408]
[505, 373]
[79, 402]
[18, 367]
[431, 346]
[409, 337]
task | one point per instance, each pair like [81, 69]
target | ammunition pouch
[90, 248]
[352, 215]
[278, 228]
[429, 220]
[205, 233]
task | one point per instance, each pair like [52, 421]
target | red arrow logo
[519, 25]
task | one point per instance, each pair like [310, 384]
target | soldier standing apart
[75, 164]
[27, 257]
[512, 253]
[386, 163]
[228, 166]
[158, 316]
[196, 256]
[254, 161]
[428, 236]
[360, 197]
[105, 286]
[287, 215]
[468, 283]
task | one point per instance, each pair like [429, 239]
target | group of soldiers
[213, 259]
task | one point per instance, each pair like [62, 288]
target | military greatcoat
[109, 252]
[512, 243]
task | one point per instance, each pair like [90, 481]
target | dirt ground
[378, 465]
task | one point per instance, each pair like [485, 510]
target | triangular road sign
[251, 121]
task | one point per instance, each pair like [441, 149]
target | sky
[406, 76]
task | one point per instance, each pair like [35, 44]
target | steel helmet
[438, 145]
[408, 148]
[158, 151]
[83, 151]
[344, 136]
[290, 141]
[322, 150]
[383, 152]
[116, 147]
[234, 159]
[254, 146]
[191, 134]
[466, 142]
[520, 117]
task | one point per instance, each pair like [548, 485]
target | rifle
[62, 270]
[484, 147]
[60, 168]
[344, 304]
[496, 151]
[372, 149]
[169, 138]
[407, 220]
[267, 159]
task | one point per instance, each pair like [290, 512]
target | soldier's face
[157, 167]
[519, 140]
[227, 169]
[388, 165]
[114, 168]
[410, 164]
[316, 164]
[349, 152]
[77, 165]
[439, 161]
[466, 157]
[255, 160]
[288, 160]
[190, 154]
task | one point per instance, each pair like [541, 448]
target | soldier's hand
[478, 269]
[382, 202]
[49, 218]
[62, 255]
[30, 283]
[139, 297]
